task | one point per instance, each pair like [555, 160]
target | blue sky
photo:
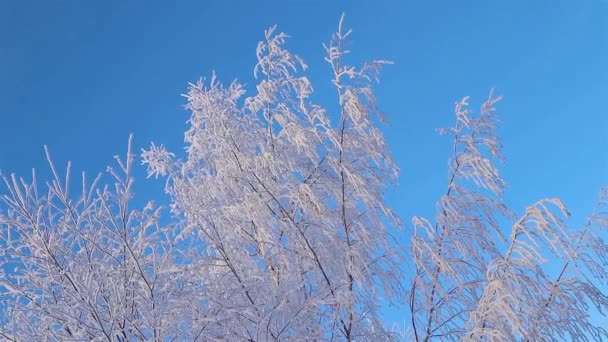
[80, 76]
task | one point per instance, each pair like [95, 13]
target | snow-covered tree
[476, 281]
[278, 230]
[87, 267]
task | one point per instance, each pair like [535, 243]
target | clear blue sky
[79, 76]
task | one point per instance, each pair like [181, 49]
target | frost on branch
[564, 309]
[452, 254]
[522, 301]
[279, 230]
[472, 282]
[89, 266]
[288, 205]
[158, 160]
[515, 280]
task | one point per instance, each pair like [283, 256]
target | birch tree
[87, 266]
[477, 281]
[278, 229]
